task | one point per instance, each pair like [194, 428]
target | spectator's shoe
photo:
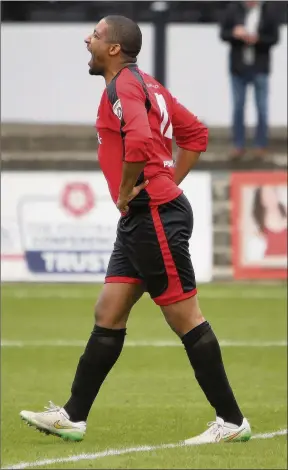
[237, 154]
[260, 152]
[55, 421]
[219, 431]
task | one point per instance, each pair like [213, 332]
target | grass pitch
[151, 396]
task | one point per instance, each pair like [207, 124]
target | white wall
[44, 73]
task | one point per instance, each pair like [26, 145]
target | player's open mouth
[91, 59]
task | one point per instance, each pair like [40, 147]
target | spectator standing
[251, 28]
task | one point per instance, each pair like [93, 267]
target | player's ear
[114, 49]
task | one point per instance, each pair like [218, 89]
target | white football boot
[220, 431]
[55, 421]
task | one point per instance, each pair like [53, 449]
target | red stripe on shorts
[174, 292]
[122, 279]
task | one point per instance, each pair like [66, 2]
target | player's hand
[122, 203]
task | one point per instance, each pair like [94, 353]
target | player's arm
[191, 138]
[137, 136]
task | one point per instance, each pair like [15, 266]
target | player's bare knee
[98, 314]
[183, 316]
[108, 315]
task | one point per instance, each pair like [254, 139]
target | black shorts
[152, 248]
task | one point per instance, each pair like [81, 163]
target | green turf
[151, 396]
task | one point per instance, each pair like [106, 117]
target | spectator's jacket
[268, 31]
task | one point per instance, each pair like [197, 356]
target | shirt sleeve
[189, 132]
[135, 127]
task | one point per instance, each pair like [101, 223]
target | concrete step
[221, 203]
[222, 240]
[221, 228]
[221, 192]
[221, 217]
[222, 272]
[58, 137]
[44, 155]
[222, 259]
[83, 160]
[222, 249]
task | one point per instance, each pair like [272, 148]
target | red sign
[259, 225]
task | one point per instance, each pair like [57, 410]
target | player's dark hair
[123, 31]
[259, 209]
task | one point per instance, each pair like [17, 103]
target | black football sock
[101, 353]
[204, 354]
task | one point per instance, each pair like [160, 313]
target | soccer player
[137, 118]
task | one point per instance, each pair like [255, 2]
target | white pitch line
[140, 343]
[51, 294]
[129, 450]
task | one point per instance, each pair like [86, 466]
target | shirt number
[164, 116]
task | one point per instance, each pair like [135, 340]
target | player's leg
[203, 351]
[122, 290]
[170, 280]
[104, 346]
